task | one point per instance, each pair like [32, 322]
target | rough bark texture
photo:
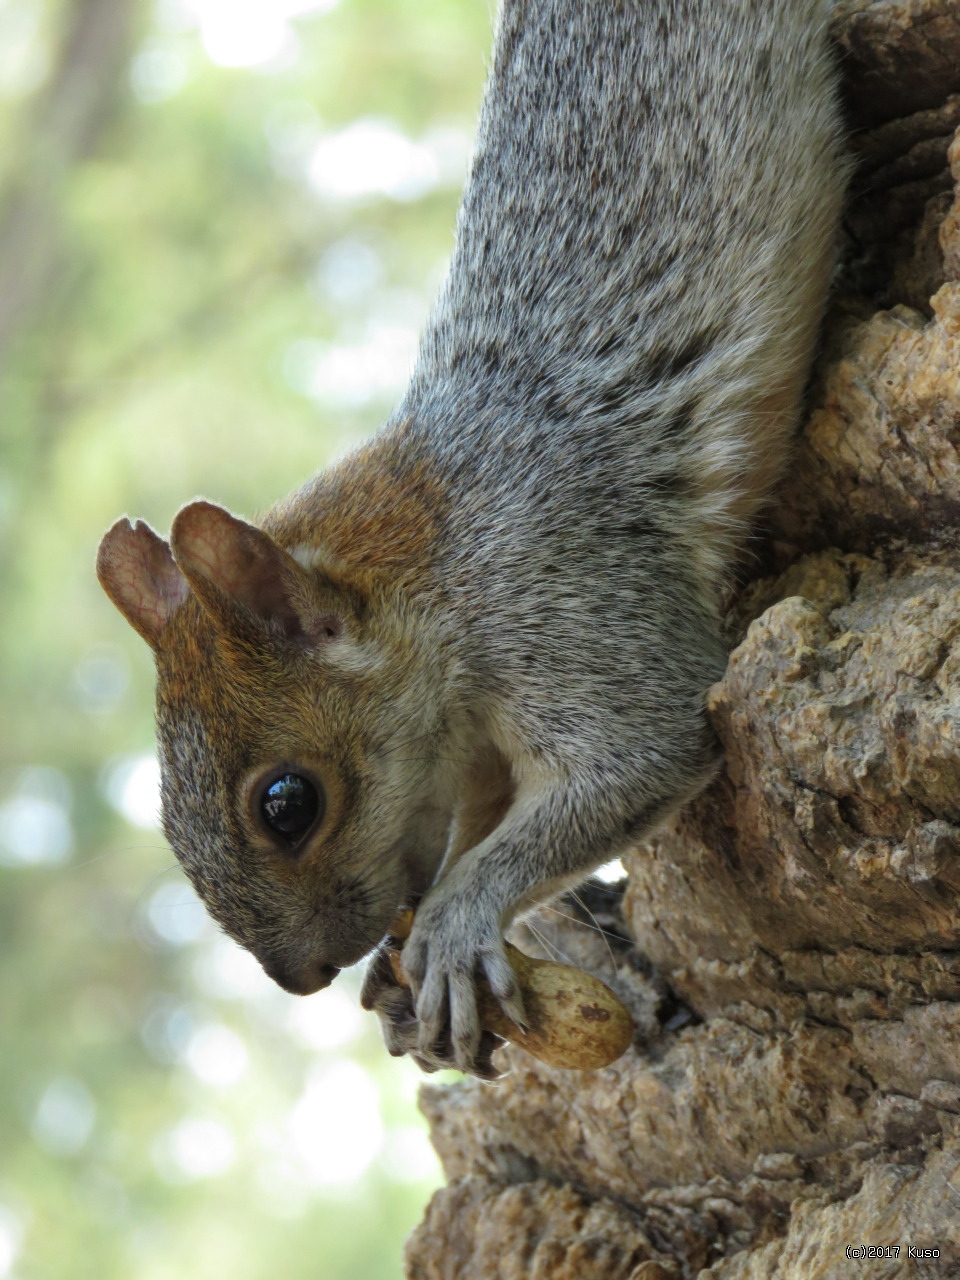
[790, 945]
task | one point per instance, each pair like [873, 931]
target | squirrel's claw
[505, 987]
[378, 981]
[447, 1013]
[447, 952]
[403, 1034]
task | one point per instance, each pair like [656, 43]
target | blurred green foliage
[211, 277]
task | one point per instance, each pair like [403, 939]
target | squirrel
[467, 664]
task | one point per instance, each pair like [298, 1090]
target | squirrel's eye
[291, 805]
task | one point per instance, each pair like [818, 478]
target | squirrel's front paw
[450, 949]
[394, 1006]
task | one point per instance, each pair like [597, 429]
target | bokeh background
[221, 225]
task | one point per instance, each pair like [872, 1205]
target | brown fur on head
[263, 672]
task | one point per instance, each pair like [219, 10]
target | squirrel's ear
[139, 575]
[229, 562]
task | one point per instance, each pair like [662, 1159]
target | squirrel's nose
[301, 981]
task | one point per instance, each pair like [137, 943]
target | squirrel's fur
[488, 633]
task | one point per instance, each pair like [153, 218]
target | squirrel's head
[300, 825]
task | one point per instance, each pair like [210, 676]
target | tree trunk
[65, 124]
[790, 945]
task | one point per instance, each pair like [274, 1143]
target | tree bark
[790, 945]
